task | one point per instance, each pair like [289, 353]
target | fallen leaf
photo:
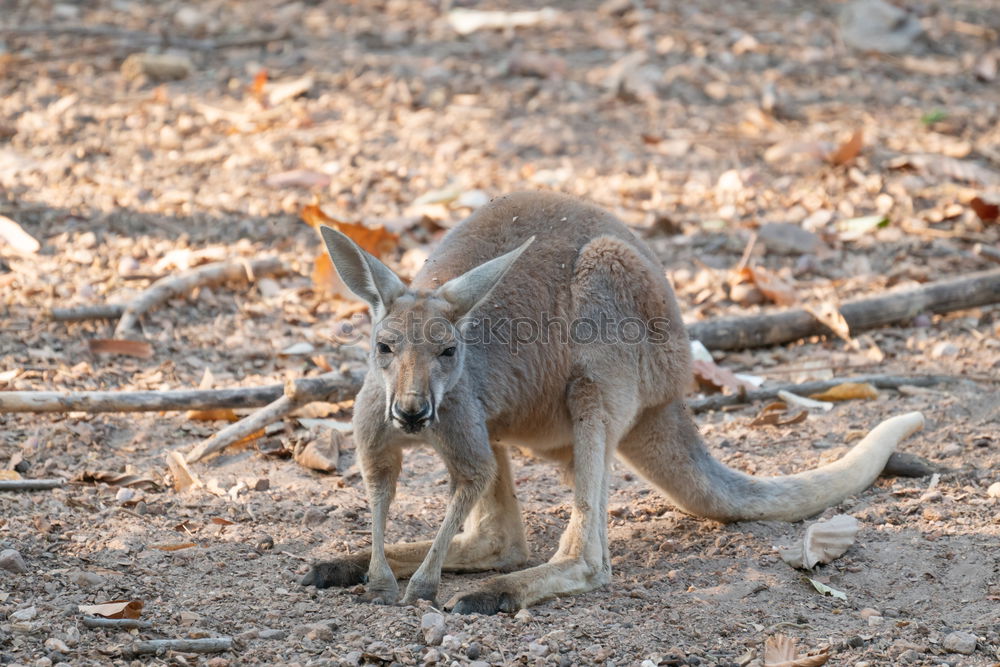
[826, 590]
[114, 609]
[321, 454]
[128, 348]
[781, 651]
[823, 542]
[222, 522]
[321, 362]
[378, 241]
[183, 478]
[848, 150]
[297, 349]
[829, 315]
[280, 91]
[445, 195]
[172, 546]
[719, 377]
[855, 228]
[776, 414]
[116, 479]
[257, 87]
[9, 475]
[773, 287]
[14, 235]
[157, 66]
[848, 391]
[986, 210]
[214, 414]
[808, 403]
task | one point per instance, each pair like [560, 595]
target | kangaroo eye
[383, 348]
[448, 352]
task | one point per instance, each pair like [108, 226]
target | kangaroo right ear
[371, 280]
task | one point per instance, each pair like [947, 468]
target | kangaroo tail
[665, 448]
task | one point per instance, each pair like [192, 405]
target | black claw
[336, 573]
[485, 602]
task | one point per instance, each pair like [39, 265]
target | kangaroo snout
[412, 412]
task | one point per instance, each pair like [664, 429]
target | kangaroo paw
[336, 573]
[483, 602]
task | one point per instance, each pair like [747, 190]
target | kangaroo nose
[411, 414]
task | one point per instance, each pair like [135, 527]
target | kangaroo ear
[472, 287]
[366, 276]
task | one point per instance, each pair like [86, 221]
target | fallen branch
[331, 385]
[144, 38]
[30, 484]
[806, 388]
[172, 286]
[738, 333]
[208, 645]
[987, 252]
[115, 623]
[101, 311]
[296, 394]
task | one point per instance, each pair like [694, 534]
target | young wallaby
[541, 322]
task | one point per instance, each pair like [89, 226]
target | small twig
[101, 311]
[208, 645]
[806, 388]
[297, 394]
[30, 484]
[173, 286]
[115, 623]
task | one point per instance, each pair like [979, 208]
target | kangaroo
[442, 373]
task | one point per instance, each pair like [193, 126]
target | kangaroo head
[418, 347]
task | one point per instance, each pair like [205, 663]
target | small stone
[432, 656]
[523, 616]
[874, 620]
[474, 651]
[746, 294]
[944, 349]
[868, 611]
[788, 239]
[451, 643]
[260, 484]
[479, 663]
[85, 579]
[994, 490]
[908, 656]
[432, 626]
[951, 449]
[124, 495]
[217, 661]
[354, 658]
[264, 543]
[320, 631]
[157, 66]
[56, 644]
[538, 650]
[10, 560]
[25, 614]
[314, 516]
[272, 633]
[960, 642]
[647, 663]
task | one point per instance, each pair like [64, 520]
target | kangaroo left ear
[471, 288]
[365, 275]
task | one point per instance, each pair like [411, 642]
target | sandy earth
[695, 122]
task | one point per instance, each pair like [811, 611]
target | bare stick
[739, 333]
[987, 252]
[30, 484]
[806, 388]
[145, 38]
[173, 286]
[101, 311]
[338, 387]
[115, 623]
[296, 394]
[208, 645]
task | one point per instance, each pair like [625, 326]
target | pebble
[85, 579]
[944, 349]
[788, 239]
[960, 642]
[314, 516]
[217, 661]
[124, 495]
[25, 614]
[951, 449]
[432, 626]
[56, 644]
[10, 560]
[478, 663]
[538, 650]
[874, 620]
[868, 612]
[272, 633]
[474, 651]
[432, 656]
[994, 490]
[523, 616]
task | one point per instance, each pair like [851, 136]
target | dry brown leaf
[116, 479]
[9, 475]
[321, 454]
[114, 609]
[222, 522]
[775, 414]
[718, 377]
[246, 441]
[172, 546]
[829, 315]
[14, 235]
[986, 210]
[128, 348]
[848, 391]
[183, 478]
[378, 241]
[773, 287]
[259, 82]
[848, 150]
[322, 363]
[215, 414]
[781, 651]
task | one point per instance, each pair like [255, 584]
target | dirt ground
[695, 122]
